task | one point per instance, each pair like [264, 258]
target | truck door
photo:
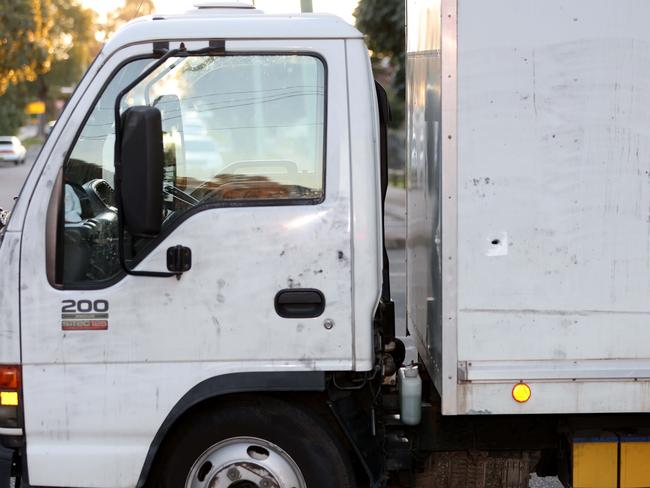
[256, 184]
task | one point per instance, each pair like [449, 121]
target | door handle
[299, 303]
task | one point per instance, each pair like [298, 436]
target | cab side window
[237, 130]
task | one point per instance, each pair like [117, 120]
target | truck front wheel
[254, 443]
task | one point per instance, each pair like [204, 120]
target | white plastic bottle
[410, 395]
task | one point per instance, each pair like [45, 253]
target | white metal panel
[584, 369]
[95, 399]
[554, 199]
[424, 121]
[210, 24]
[432, 190]
[9, 298]
[623, 396]
[450, 203]
[365, 195]
[99, 420]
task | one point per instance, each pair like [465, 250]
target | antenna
[306, 6]
[138, 10]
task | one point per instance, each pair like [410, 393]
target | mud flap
[610, 460]
[6, 460]
[594, 461]
[478, 469]
[357, 428]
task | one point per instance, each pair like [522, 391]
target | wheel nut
[265, 483]
[233, 474]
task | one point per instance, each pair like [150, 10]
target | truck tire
[252, 443]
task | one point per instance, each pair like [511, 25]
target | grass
[33, 141]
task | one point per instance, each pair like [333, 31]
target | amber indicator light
[10, 377]
[521, 392]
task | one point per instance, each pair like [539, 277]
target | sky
[342, 8]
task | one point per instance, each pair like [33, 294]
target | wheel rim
[245, 462]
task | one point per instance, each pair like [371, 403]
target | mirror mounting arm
[215, 48]
[118, 168]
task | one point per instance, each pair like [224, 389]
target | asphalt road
[12, 178]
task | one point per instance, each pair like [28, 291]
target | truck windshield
[236, 128]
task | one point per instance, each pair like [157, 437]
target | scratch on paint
[534, 85]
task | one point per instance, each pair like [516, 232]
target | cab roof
[230, 23]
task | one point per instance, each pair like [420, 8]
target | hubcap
[245, 462]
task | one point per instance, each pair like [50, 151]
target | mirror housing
[141, 181]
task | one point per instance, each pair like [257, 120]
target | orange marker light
[10, 377]
[521, 392]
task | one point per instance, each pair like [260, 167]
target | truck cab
[155, 293]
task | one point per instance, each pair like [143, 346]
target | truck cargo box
[529, 202]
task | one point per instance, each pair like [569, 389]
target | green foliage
[33, 141]
[75, 43]
[74, 47]
[44, 45]
[383, 23]
[12, 109]
[25, 40]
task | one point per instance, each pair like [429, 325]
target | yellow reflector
[521, 392]
[9, 398]
[595, 464]
[634, 467]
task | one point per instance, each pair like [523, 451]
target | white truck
[225, 320]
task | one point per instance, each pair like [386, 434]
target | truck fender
[277, 381]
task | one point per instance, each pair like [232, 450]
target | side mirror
[142, 159]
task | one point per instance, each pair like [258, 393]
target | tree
[73, 47]
[25, 41]
[383, 23]
[129, 11]
[44, 45]
[12, 108]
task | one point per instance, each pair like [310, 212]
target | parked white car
[11, 149]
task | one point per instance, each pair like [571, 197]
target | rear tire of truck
[254, 442]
